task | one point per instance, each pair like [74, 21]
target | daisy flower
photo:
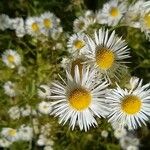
[4, 143]
[5, 22]
[79, 24]
[131, 108]
[25, 133]
[32, 26]
[14, 112]
[107, 52]
[48, 22]
[132, 16]
[80, 100]
[145, 19]
[77, 43]
[11, 58]
[9, 89]
[44, 91]
[45, 107]
[112, 12]
[10, 134]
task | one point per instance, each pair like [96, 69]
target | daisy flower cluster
[82, 77]
[9, 135]
[47, 24]
[117, 13]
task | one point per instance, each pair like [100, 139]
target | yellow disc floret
[80, 99]
[131, 104]
[147, 20]
[114, 12]
[10, 58]
[78, 44]
[47, 23]
[35, 27]
[104, 58]
[12, 132]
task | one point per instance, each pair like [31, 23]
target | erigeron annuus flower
[132, 15]
[127, 141]
[10, 89]
[107, 53]
[145, 18]
[14, 112]
[11, 58]
[80, 100]
[5, 22]
[120, 132]
[32, 26]
[131, 108]
[5, 143]
[79, 24]
[104, 133]
[25, 111]
[45, 107]
[112, 12]
[10, 134]
[48, 22]
[77, 43]
[44, 91]
[25, 133]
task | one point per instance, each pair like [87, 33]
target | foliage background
[43, 65]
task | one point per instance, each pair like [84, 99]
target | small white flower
[120, 132]
[4, 22]
[11, 58]
[9, 89]
[112, 12]
[45, 107]
[10, 134]
[5, 143]
[55, 34]
[132, 15]
[48, 22]
[46, 129]
[77, 43]
[32, 26]
[25, 133]
[14, 112]
[127, 141]
[145, 18]
[132, 147]
[25, 111]
[44, 91]
[64, 62]
[104, 133]
[21, 70]
[42, 140]
[79, 24]
[48, 147]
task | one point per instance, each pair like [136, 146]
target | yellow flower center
[131, 104]
[114, 12]
[35, 27]
[10, 58]
[80, 99]
[47, 23]
[12, 132]
[147, 19]
[104, 58]
[77, 62]
[78, 44]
